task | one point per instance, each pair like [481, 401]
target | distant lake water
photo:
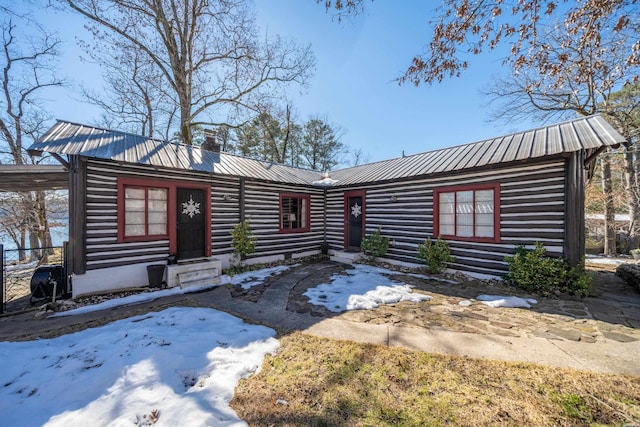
[59, 234]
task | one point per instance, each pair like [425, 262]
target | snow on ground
[599, 259]
[180, 365]
[362, 287]
[246, 280]
[505, 301]
[253, 278]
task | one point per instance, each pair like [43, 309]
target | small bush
[534, 271]
[578, 281]
[374, 245]
[435, 254]
[244, 243]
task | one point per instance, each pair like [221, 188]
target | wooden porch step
[208, 276]
[345, 257]
[202, 272]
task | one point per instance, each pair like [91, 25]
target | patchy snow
[179, 366]
[362, 287]
[246, 280]
[254, 278]
[599, 259]
[505, 301]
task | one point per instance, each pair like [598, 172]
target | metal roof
[93, 142]
[586, 133]
[33, 178]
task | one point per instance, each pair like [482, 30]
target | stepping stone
[502, 325]
[588, 338]
[618, 337]
[568, 334]
[541, 333]
[472, 315]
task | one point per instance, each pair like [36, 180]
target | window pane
[293, 213]
[157, 194]
[464, 213]
[303, 214]
[134, 193]
[447, 230]
[157, 229]
[157, 205]
[484, 219]
[484, 230]
[134, 230]
[134, 205]
[134, 218]
[157, 217]
[447, 201]
[446, 214]
[484, 201]
[145, 211]
[484, 213]
[286, 213]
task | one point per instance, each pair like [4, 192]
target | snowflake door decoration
[191, 208]
[356, 210]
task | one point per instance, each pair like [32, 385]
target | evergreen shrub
[374, 245]
[534, 271]
[435, 253]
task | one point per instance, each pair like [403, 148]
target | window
[294, 213]
[145, 212]
[468, 213]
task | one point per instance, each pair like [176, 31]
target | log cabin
[136, 201]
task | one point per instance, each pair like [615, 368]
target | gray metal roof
[89, 141]
[586, 133]
[33, 178]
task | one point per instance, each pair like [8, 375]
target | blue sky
[354, 84]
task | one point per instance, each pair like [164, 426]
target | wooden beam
[574, 239]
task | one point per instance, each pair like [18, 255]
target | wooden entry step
[202, 272]
[345, 257]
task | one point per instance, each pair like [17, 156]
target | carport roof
[33, 178]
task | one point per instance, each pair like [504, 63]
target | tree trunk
[34, 242]
[609, 209]
[631, 190]
[22, 256]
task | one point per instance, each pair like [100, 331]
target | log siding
[532, 208]
[260, 205]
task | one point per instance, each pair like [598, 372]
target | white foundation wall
[110, 279]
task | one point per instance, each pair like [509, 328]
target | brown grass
[321, 382]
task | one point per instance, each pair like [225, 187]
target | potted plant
[635, 253]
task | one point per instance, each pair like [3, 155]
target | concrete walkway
[604, 355]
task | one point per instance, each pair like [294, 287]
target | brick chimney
[210, 143]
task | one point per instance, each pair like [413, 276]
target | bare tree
[575, 78]
[358, 157]
[135, 98]
[28, 58]
[207, 51]
[463, 28]
[623, 111]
